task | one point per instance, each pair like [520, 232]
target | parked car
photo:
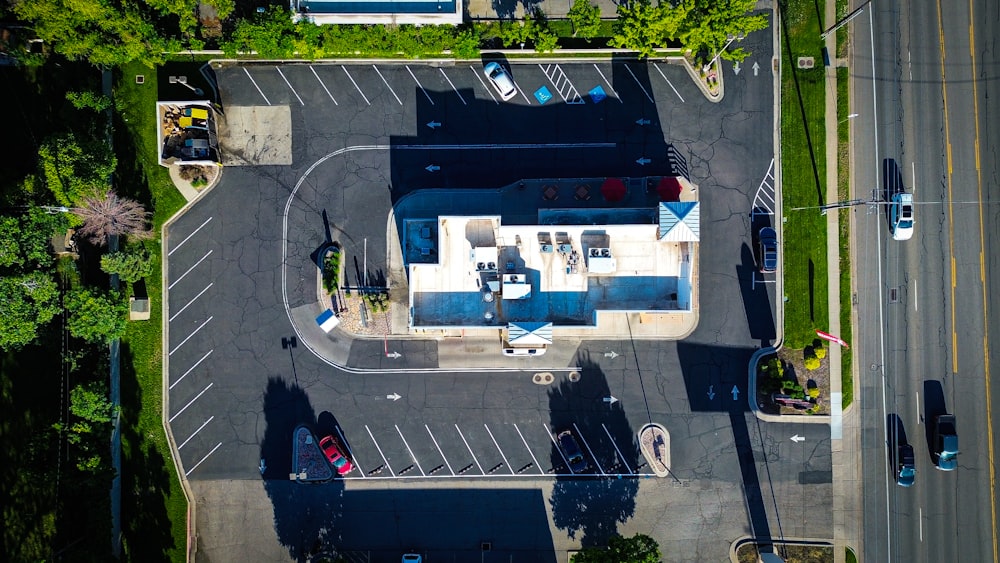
[901, 216]
[412, 558]
[768, 242]
[500, 79]
[571, 449]
[905, 470]
[945, 442]
[331, 449]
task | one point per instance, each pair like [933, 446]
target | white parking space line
[608, 84]
[470, 450]
[507, 463]
[590, 451]
[453, 87]
[558, 449]
[349, 452]
[386, 82]
[385, 461]
[174, 316]
[171, 353]
[217, 446]
[523, 95]
[439, 449]
[525, 442]
[171, 286]
[485, 87]
[190, 402]
[171, 251]
[668, 82]
[195, 432]
[318, 79]
[620, 456]
[419, 85]
[636, 78]
[289, 86]
[567, 91]
[257, 87]
[413, 457]
[189, 370]
[355, 84]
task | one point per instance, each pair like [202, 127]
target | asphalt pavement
[239, 382]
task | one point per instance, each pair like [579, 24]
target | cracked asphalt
[238, 384]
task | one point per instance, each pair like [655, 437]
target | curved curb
[693, 73]
[651, 458]
[743, 540]
[752, 395]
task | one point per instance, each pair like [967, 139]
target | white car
[901, 216]
[500, 79]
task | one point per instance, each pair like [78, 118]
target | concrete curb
[752, 396]
[741, 541]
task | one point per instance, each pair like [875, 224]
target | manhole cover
[574, 376]
[543, 378]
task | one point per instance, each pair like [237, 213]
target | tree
[708, 26]
[639, 548]
[75, 170]
[586, 19]
[112, 215]
[115, 32]
[131, 264]
[271, 35]
[92, 415]
[24, 240]
[27, 302]
[641, 26]
[95, 316]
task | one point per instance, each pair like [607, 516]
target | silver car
[501, 80]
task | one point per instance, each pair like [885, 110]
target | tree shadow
[145, 483]
[305, 514]
[592, 505]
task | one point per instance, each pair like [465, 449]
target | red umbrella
[613, 189]
[669, 189]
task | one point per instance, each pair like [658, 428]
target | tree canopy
[114, 32]
[639, 548]
[75, 169]
[27, 302]
[702, 27]
[95, 316]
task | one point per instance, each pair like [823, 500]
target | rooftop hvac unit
[606, 252]
[595, 252]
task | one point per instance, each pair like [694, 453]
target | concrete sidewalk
[844, 426]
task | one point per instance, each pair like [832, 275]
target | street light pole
[849, 117]
[730, 38]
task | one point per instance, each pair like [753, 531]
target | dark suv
[571, 450]
[945, 442]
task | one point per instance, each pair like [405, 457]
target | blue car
[905, 470]
[571, 451]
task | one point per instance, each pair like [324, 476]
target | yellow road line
[982, 278]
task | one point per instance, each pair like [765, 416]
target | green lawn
[154, 510]
[803, 171]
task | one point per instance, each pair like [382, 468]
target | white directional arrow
[711, 392]
[393, 355]
[432, 168]
[612, 354]
[642, 122]
[394, 397]
[736, 68]
[796, 438]
[263, 466]
[610, 399]
[756, 67]
[433, 124]
[736, 392]
[643, 161]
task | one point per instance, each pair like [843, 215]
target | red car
[337, 459]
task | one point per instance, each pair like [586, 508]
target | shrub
[819, 352]
[331, 271]
[812, 362]
[774, 368]
[813, 392]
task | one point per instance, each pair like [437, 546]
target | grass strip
[154, 509]
[803, 169]
[844, 194]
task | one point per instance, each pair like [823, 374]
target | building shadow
[756, 299]
[590, 505]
